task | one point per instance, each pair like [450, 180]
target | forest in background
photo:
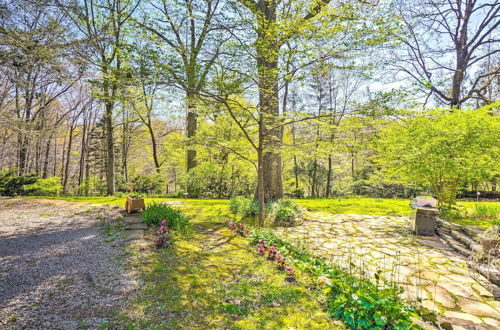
[216, 97]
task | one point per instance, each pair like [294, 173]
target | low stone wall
[463, 239]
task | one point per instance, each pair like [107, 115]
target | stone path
[427, 269]
[134, 227]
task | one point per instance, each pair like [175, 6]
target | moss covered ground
[213, 279]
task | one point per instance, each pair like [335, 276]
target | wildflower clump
[238, 229]
[162, 239]
[274, 255]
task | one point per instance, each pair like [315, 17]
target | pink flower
[163, 222]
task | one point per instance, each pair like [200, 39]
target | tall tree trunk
[63, 155]
[110, 150]
[81, 163]
[267, 47]
[68, 154]
[45, 171]
[329, 177]
[55, 157]
[191, 126]
[154, 146]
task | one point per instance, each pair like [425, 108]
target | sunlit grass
[358, 205]
[350, 205]
[214, 280]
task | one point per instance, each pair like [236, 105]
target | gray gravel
[56, 269]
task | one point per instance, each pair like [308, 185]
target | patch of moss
[215, 280]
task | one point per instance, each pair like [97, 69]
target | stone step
[490, 272]
[135, 235]
[457, 246]
[463, 238]
[473, 231]
[449, 225]
[136, 226]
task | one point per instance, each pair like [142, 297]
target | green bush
[153, 184]
[358, 302]
[285, 211]
[246, 207]
[154, 213]
[12, 185]
[44, 187]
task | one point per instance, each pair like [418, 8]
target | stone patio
[426, 268]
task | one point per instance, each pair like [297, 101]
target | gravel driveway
[56, 269]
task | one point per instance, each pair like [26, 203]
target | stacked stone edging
[463, 239]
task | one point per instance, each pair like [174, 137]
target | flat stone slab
[136, 226]
[426, 268]
[133, 235]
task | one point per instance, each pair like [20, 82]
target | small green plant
[357, 301]
[246, 207]
[44, 187]
[135, 196]
[285, 212]
[154, 213]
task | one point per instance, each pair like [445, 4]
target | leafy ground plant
[155, 212]
[358, 302]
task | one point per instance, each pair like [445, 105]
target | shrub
[246, 207]
[154, 213]
[285, 212]
[297, 193]
[153, 184]
[12, 185]
[44, 187]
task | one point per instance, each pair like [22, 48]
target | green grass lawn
[350, 205]
[358, 205]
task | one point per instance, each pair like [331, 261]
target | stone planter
[134, 204]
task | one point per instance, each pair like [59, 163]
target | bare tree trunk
[46, 159]
[83, 150]
[267, 64]
[191, 126]
[68, 154]
[110, 150]
[63, 157]
[154, 146]
[55, 157]
[329, 177]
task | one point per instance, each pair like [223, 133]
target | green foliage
[297, 193]
[153, 184]
[155, 212]
[44, 187]
[135, 195]
[358, 302]
[483, 211]
[442, 148]
[284, 211]
[12, 185]
[246, 207]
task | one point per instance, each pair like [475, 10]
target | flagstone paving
[426, 268]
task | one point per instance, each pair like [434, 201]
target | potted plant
[134, 202]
